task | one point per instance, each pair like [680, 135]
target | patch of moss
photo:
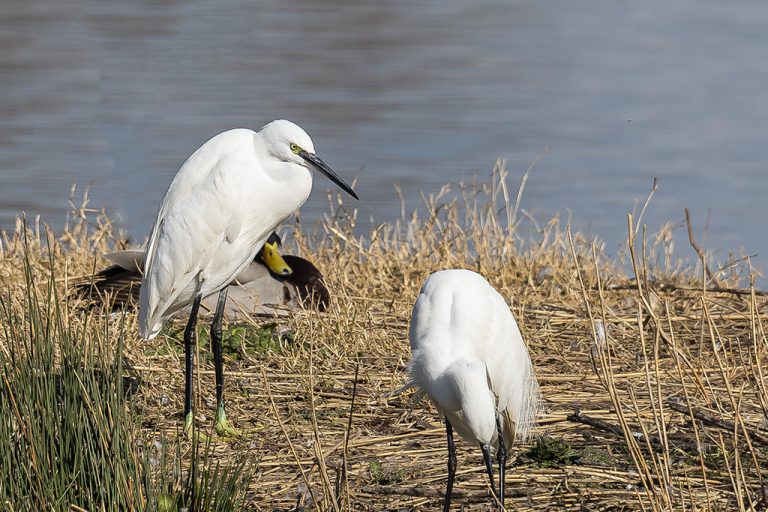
[254, 340]
[552, 452]
[384, 475]
[236, 339]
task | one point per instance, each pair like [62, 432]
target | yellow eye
[295, 148]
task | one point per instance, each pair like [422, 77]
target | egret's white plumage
[468, 355]
[217, 213]
[219, 210]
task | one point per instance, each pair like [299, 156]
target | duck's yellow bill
[274, 262]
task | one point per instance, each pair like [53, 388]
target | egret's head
[289, 143]
[281, 136]
[475, 399]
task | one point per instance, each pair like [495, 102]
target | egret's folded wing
[194, 172]
[208, 232]
[510, 371]
[185, 240]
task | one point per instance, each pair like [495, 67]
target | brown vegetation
[655, 387]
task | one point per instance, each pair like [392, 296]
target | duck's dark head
[309, 284]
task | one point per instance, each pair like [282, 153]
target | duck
[271, 285]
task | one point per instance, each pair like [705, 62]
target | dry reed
[653, 371]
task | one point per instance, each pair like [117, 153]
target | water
[414, 93]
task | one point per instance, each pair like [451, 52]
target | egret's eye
[295, 148]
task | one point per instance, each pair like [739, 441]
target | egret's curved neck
[261, 147]
[293, 179]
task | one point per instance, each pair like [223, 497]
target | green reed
[69, 433]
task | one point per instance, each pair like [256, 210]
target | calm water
[414, 93]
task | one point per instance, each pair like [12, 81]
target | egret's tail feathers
[150, 322]
[415, 398]
[530, 408]
[402, 389]
[148, 327]
[146, 333]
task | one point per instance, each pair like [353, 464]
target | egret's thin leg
[501, 457]
[222, 426]
[451, 465]
[216, 346]
[190, 340]
[487, 459]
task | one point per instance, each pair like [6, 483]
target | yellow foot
[189, 420]
[194, 434]
[223, 427]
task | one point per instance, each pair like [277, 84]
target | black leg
[501, 457]
[487, 459]
[190, 340]
[451, 466]
[216, 346]
[222, 426]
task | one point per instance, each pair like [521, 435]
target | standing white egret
[217, 213]
[468, 355]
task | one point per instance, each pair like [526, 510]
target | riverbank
[655, 389]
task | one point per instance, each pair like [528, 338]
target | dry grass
[656, 393]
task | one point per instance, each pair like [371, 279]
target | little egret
[469, 357]
[217, 213]
[270, 285]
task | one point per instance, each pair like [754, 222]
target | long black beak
[321, 166]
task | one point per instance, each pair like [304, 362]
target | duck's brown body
[255, 292]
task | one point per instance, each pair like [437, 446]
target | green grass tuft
[552, 452]
[69, 434]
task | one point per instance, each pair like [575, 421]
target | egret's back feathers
[461, 323]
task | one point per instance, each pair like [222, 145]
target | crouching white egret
[468, 355]
[217, 213]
